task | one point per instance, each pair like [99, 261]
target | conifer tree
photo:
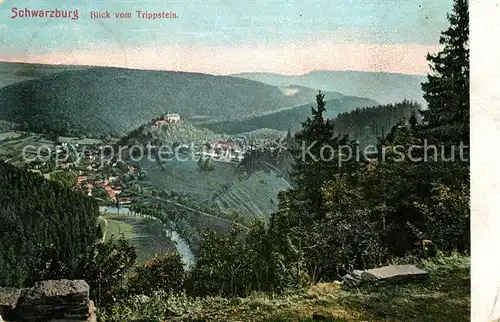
[447, 88]
[413, 120]
[314, 158]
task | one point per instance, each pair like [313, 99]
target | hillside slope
[445, 296]
[11, 73]
[289, 119]
[257, 196]
[383, 87]
[105, 100]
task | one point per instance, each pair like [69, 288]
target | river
[181, 245]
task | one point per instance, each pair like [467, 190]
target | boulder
[9, 297]
[349, 280]
[357, 274]
[54, 300]
[59, 299]
[394, 273]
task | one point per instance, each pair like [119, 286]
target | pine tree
[413, 120]
[314, 159]
[447, 88]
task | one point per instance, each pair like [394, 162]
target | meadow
[147, 235]
[444, 296]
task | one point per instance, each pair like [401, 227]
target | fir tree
[413, 120]
[447, 88]
[314, 159]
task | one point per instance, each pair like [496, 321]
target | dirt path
[105, 227]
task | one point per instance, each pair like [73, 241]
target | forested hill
[289, 119]
[40, 219]
[17, 72]
[383, 87]
[365, 124]
[103, 99]
[368, 123]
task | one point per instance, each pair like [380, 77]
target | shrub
[163, 272]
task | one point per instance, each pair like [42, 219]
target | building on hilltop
[168, 118]
[172, 118]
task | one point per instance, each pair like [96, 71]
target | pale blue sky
[225, 24]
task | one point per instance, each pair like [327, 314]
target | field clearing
[147, 235]
[445, 296]
[20, 149]
[14, 145]
[75, 140]
[9, 135]
[185, 176]
[255, 197]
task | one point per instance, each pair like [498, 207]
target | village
[86, 164]
[232, 150]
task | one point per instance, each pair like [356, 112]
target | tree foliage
[447, 87]
[367, 124]
[104, 267]
[163, 272]
[40, 217]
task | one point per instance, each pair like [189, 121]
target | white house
[169, 118]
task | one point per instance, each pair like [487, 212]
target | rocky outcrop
[55, 300]
[395, 273]
[391, 273]
[9, 297]
[353, 279]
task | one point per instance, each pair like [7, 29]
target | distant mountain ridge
[105, 100]
[382, 87]
[69, 100]
[11, 73]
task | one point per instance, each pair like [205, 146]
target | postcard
[235, 160]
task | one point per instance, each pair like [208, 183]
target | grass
[146, 234]
[445, 296]
[118, 225]
[12, 147]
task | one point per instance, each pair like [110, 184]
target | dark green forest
[369, 123]
[118, 100]
[288, 119]
[41, 219]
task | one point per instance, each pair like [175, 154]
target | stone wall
[55, 300]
